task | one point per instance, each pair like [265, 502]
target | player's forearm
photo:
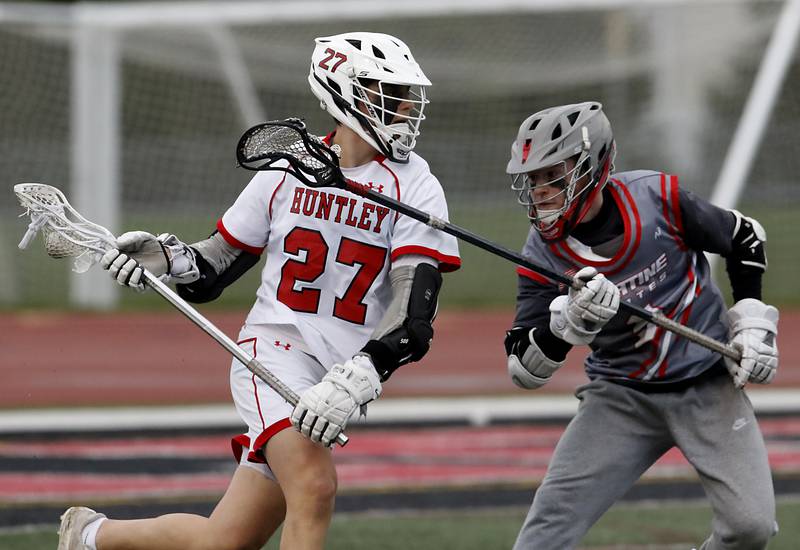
[533, 301]
[220, 265]
[551, 345]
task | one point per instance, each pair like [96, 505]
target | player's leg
[609, 444]
[717, 431]
[307, 476]
[249, 512]
[303, 469]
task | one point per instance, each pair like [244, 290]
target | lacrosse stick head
[287, 146]
[66, 233]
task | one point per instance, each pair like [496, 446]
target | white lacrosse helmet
[548, 139]
[342, 68]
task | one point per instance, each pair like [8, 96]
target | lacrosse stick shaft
[656, 318]
[68, 234]
[33, 229]
[230, 346]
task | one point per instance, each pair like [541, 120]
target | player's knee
[751, 532]
[313, 492]
[321, 489]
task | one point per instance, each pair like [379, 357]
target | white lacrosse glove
[753, 331]
[324, 409]
[578, 317]
[164, 256]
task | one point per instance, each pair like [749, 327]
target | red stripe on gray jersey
[654, 269]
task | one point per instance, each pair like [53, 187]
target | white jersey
[329, 252]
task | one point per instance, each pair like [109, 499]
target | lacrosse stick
[67, 234]
[288, 147]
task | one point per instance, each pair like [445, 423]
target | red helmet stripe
[526, 150]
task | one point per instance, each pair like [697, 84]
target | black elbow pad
[412, 339]
[747, 247]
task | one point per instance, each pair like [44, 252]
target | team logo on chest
[646, 279]
[351, 211]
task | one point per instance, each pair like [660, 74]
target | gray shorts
[619, 432]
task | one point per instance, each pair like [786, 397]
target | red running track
[51, 359]
[394, 459]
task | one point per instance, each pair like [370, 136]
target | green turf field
[634, 526]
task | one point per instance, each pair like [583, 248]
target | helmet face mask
[565, 183]
[568, 151]
[393, 111]
[370, 83]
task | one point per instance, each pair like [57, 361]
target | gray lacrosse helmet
[548, 139]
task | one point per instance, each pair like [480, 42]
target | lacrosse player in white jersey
[348, 294]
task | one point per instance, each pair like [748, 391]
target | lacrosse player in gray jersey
[637, 236]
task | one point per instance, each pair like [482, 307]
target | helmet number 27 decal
[341, 58]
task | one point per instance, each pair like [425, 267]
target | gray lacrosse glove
[164, 256]
[753, 331]
[578, 317]
[528, 366]
[324, 409]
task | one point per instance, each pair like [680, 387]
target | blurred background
[133, 109]
[134, 112]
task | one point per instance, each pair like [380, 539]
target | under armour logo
[285, 346]
[375, 187]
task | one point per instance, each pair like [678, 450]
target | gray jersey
[653, 268]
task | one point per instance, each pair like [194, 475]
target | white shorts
[279, 349]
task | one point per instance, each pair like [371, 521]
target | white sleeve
[246, 223]
[414, 260]
[414, 237]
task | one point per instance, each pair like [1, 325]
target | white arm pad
[534, 369]
[402, 277]
[217, 252]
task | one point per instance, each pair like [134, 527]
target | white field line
[476, 411]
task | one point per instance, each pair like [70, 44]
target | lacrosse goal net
[135, 110]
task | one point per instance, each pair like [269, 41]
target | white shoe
[72, 523]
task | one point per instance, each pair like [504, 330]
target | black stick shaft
[656, 318]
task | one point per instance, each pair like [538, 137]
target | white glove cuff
[522, 377]
[561, 326]
[750, 313]
[183, 264]
[358, 377]
[534, 369]
[753, 323]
